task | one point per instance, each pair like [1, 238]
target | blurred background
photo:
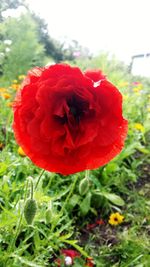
[111, 33]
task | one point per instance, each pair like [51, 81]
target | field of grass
[66, 217]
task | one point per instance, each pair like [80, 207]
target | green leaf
[115, 199]
[26, 262]
[86, 204]
[65, 237]
[111, 167]
[73, 201]
[143, 150]
[61, 194]
[77, 247]
[3, 168]
[128, 151]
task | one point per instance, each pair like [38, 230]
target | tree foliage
[52, 47]
[30, 42]
[9, 4]
[25, 51]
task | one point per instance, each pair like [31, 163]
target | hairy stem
[39, 178]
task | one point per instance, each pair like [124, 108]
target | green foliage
[114, 69]
[68, 208]
[52, 47]
[9, 4]
[85, 204]
[25, 51]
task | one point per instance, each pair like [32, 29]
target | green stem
[13, 163]
[8, 122]
[39, 178]
[66, 201]
[10, 249]
[70, 193]
[50, 180]
[31, 190]
[87, 174]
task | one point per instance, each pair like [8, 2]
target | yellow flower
[123, 84]
[115, 218]
[21, 152]
[139, 127]
[21, 77]
[6, 95]
[136, 89]
[140, 86]
[2, 89]
[15, 81]
[125, 97]
[148, 109]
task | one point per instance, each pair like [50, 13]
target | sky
[120, 27]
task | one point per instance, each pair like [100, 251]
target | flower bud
[21, 152]
[49, 212]
[48, 215]
[30, 210]
[84, 186]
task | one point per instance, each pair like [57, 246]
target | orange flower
[2, 89]
[9, 104]
[1, 146]
[15, 86]
[6, 95]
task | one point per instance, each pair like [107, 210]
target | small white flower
[7, 49]
[7, 42]
[68, 261]
[2, 55]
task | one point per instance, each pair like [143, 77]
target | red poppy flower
[91, 226]
[69, 255]
[89, 262]
[70, 252]
[100, 222]
[66, 121]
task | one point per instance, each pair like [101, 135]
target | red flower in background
[67, 121]
[100, 222]
[90, 226]
[89, 262]
[69, 256]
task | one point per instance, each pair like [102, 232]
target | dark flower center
[77, 107]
